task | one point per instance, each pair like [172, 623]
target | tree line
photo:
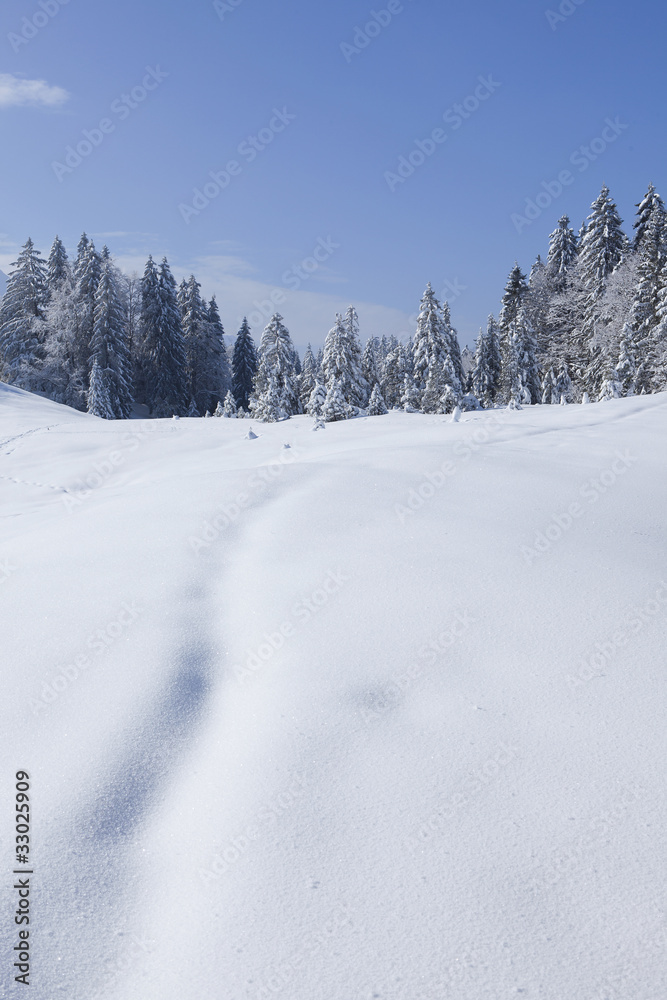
[590, 322]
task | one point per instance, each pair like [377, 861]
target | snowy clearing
[380, 714]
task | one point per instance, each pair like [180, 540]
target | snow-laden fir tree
[22, 327]
[626, 366]
[602, 248]
[512, 323]
[64, 377]
[452, 350]
[108, 346]
[394, 371]
[230, 408]
[335, 405]
[317, 400]
[97, 396]
[549, 393]
[369, 363]
[169, 360]
[563, 252]
[410, 395]
[308, 378]
[203, 347]
[244, 366]
[58, 270]
[564, 386]
[276, 378]
[220, 411]
[341, 360]
[650, 203]
[217, 377]
[87, 271]
[376, 404]
[485, 374]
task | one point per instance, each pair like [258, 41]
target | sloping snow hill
[380, 714]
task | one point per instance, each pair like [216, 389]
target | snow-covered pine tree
[626, 366]
[394, 371]
[341, 361]
[369, 363]
[64, 378]
[317, 400]
[511, 322]
[335, 406]
[601, 250]
[428, 344]
[22, 326]
[244, 366]
[97, 396]
[87, 271]
[527, 355]
[219, 410]
[563, 252]
[58, 270]
[202, 357]
[452, 350]
[410, 395]
[230, 409]
[276, 353]
[308, 378]
[108, 346]
[646, 309]
[169, 361]
[549, 394]
[485, 374]
[376, 404]
[432, 394]
[650, 202]
[358, 390]
[269, 405]
[564, 386]
[216, 378]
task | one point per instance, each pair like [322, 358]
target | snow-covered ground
[380, 714]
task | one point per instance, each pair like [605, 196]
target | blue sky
[319, 180]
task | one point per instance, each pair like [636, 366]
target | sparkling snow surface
[262, 780]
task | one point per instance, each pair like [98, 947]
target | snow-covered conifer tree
[316, 400]
[108, 346]
[22, 327]
[244, 365]
[335, 406]
[650, 203]
[97, 395]
[376, 404]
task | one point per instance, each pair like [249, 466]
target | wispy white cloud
[17, 92]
